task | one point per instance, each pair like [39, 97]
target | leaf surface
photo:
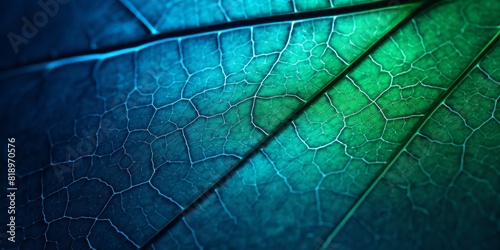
[270, 135]
[303, 183]
[443, 190]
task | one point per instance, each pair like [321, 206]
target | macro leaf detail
[375, 128]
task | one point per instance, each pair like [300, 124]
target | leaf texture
[370, 129]
[126, 23]
[454, 203]
[166, 15]
[328, 156]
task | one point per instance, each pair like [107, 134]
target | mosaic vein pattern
[302, 184]
[166, 15]
[443, 191]
[77, 26]
[115, 147]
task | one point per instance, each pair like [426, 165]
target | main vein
[422, 6]
[112, 51]
[412, 136]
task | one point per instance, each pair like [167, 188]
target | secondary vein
[412, 136]
[422, 6]
[154, 39]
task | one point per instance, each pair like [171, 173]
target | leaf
[442, 191]
[269, 135]
[324, 161]
[134, 23]
[165, 15]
